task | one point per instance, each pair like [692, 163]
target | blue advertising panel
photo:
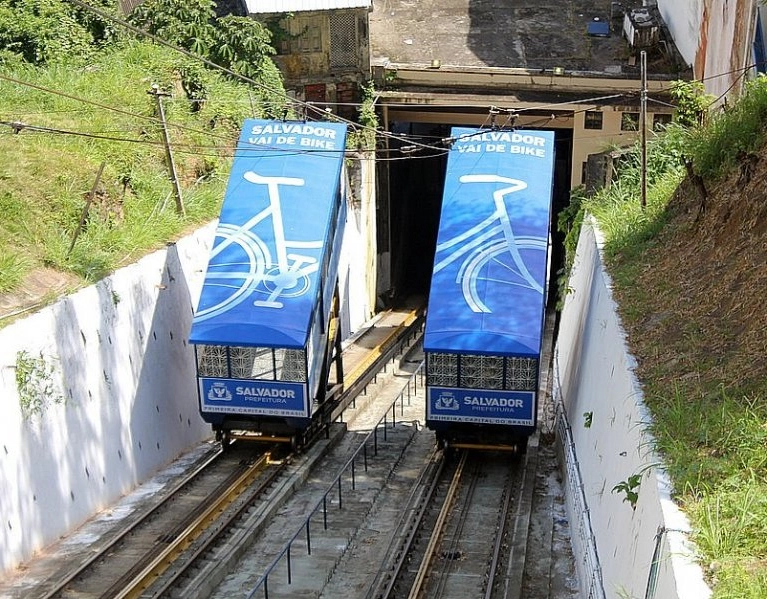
[490, 268]
[241, 396]
[261, 284]
[479, 406]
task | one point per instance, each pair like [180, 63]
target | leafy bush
[621, 217]
[239, 44]
[185, 24]
[691, 103]
[43, 31]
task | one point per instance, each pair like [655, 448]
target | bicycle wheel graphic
[501, 268]
[234, 285]
[288, 284]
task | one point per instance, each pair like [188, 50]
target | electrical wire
[122, 111]
[490, 120]
[288, 99]
[260, 85]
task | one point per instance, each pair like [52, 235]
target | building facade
[323, 48]
[722, 40]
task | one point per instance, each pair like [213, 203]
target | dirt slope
[703, 284]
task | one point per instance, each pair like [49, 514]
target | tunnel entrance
[414, 168]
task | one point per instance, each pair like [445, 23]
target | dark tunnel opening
[416, 183]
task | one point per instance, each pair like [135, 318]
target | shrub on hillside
[43, 31]
[733, 134]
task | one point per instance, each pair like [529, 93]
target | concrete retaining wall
[115, 357]
[117, 377]
[641, 551]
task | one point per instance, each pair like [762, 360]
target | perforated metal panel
[443, 370]
[251, 363]
[212, 361]
[291, 365]
[482, 372]
[522, 374]
[343, 40]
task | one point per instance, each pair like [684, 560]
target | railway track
[464, 532]
[142, 553]
[331, 523]
[186, 542]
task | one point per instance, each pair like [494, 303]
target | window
[481, 372]
[521, 374]
[310, 40]
[630, 121]
[660, 120]
[343, 40]
[592, 119]
[212, 360]
[442, 370]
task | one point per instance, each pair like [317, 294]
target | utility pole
[86, 209]
[643, 125]
[155, 91]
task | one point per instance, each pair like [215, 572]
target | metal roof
[261, 284]
[489, 278]
[279, 6]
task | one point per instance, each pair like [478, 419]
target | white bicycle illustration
[490, 250]
[286, 277]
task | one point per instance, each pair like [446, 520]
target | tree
[43, 31]
[239, 44]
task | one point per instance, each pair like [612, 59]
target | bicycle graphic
[490, 250]
[254, 271]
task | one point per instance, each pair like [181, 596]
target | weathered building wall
[715, 37]
[324, 52]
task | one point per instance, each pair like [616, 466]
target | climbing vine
[35, 384]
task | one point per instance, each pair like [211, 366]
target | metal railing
[582, 532]
[406, 394]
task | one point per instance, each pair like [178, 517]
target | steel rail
[365, 372]
[439, 525]
[410, 520]
[371, 437]
[498, 545]
[99, 555]
[461, 523]
[172, 579]
[165, 558]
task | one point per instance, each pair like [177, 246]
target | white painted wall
[357, 269]
[716, 38]
[119, 357]
[118, 354]
[683, 20]
[594, 373]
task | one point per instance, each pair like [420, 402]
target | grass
[46, 175]
[709, 409]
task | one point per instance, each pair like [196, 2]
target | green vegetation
[688, 272]
[75, 98]
[727, 140]
[38, 32]
[365, 138]
[34, 380]
[61, 142]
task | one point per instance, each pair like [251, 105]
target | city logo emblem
[446, 401]
[219, 392]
